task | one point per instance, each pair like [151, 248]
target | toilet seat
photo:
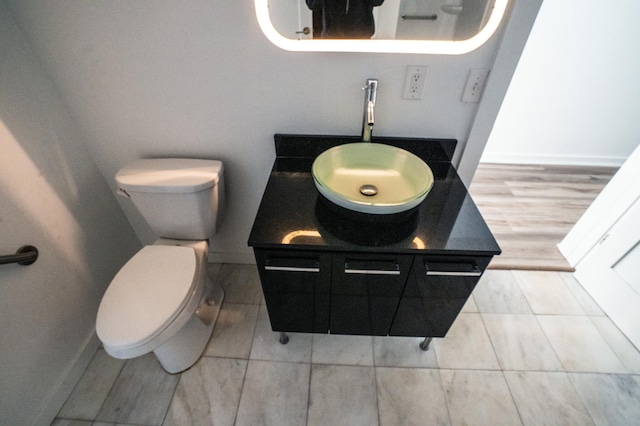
[146, 295]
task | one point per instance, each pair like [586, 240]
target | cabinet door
[296, 289]
[365, 291]
[435, 293]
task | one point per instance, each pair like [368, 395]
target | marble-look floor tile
[91, 391]
[544, 398]
[470, 306]
[266, 345]
[579, 345]
[520, 343]
[628, 354]
[233, 331]
[611, 399]
[241, 283]
[342, 395]
[208, 393]
[214, 270]
[499, 293]
[108, 424]
[589, 305]
[274, 393]
[70, 422]
[477, 397]
[547, 293]
[466, 345]
[411, 396]
[342, 350]
[393, 351]
[141, 395]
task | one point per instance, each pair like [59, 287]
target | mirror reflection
[343, 18]
[446, 20]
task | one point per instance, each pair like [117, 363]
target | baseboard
[242, 258]
[560, 160]
[59, 394]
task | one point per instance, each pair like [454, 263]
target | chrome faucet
[368, 121]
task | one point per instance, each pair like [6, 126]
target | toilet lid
[146, 295]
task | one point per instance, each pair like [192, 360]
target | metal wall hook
[25, 255]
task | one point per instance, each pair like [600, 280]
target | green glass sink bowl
[396, 179]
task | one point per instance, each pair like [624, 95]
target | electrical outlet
[475, 85]
[414, 82]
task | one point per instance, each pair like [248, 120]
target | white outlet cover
[415, 81]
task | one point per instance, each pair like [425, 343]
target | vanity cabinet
[318, 273]
[366, 293]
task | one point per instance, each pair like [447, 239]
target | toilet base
[188, 344]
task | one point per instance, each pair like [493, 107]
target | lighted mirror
[403, 26]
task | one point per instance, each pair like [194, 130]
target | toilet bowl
[163, 300]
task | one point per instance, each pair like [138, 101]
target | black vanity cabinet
[368, 294]
[317, 277]
[365, 292]
[296, 289]
[437, 289]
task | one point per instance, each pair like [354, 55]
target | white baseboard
[564, 160]
[59, 394]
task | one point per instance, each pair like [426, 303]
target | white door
[604, 248]
[610, 273]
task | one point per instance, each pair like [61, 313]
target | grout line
[309, 387]
[111, 388]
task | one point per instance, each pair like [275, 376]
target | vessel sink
[372, 178]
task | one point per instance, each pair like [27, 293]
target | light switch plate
[475, 85]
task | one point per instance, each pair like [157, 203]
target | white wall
[52, 196]
[575, 96]
[86, 87]
[198, 78]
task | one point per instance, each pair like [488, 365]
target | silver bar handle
[475, 272]
[370, 272]
[290, 269]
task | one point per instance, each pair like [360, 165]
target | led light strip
[438, 47]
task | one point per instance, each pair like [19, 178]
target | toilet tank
[180, 198]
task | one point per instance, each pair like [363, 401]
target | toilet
[163, 300]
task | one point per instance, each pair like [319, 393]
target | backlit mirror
[404, 26]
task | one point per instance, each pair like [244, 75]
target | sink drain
[368, 190]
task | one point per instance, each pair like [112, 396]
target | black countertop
[293, 215]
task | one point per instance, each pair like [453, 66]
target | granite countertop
[293, 215]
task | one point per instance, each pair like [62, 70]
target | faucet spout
[368, 120]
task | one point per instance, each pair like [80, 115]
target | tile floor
[529, 348]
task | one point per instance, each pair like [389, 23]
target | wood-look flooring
[530, 209]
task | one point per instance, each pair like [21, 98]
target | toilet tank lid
[175, 175]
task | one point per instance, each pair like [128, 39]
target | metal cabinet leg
[424, 345]
[284, 339]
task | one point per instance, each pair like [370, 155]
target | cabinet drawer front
[436, 291]
[296, 289]
[365, 292]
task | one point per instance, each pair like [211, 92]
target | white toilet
[162, 300]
